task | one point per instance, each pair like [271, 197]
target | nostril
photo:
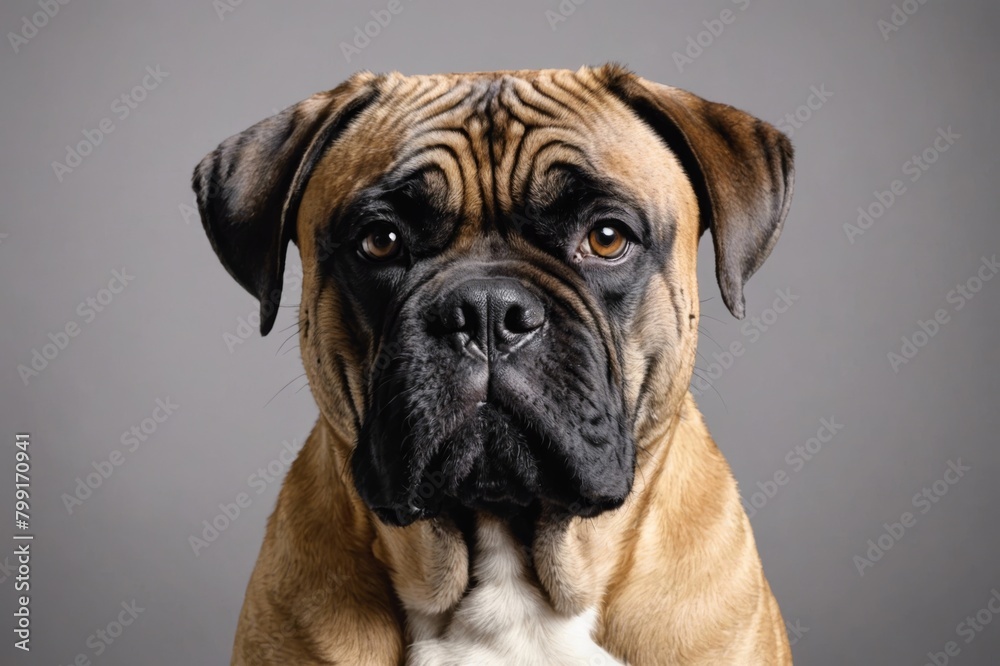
[454, 319]
[522, 319]
[451, 317]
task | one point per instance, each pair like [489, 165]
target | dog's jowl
[498, 322]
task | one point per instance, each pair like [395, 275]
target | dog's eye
[381, 244]
[606, 241]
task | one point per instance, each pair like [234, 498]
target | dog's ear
[740, 167]
[249, 188]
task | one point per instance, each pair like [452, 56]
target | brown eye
[381, 244]
[607, 242]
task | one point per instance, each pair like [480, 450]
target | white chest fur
[505, 619]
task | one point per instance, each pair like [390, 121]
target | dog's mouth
[491, 463]
[497, 462]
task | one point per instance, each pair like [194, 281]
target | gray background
[127, 205]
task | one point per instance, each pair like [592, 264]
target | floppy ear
[740, 167]
[249, 188]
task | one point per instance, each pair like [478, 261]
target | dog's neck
[448, 581]
[504, 616]
[438, 580]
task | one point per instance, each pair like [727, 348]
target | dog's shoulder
[311, 600]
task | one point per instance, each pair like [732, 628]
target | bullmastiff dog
[498, 323]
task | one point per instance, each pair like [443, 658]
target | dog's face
[499, 300]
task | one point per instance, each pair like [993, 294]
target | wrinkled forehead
[493, 144]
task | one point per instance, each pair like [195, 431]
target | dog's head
[499, 298]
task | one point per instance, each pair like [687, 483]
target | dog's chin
[494, 463]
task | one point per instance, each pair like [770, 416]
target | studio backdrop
[857, 402]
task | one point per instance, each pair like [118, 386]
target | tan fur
[674, 574]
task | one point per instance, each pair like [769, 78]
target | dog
[498, 323]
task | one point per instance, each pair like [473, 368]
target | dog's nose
[492, 314]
